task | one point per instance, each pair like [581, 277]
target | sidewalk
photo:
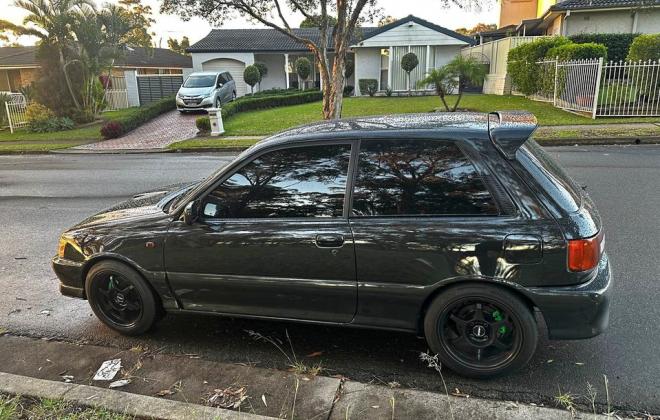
[172, 385]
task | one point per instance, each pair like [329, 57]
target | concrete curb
[117, 401]
[597, 141]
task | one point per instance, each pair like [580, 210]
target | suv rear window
[550, 176]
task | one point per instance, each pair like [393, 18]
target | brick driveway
[155, 134]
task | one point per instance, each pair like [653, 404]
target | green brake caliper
[111, 283]
[497, 316]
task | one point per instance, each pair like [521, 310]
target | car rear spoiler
[508, 130]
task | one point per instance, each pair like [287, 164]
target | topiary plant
[303, 68]
[251, 76]
[263, 71]
[567, 52]
[408, 63]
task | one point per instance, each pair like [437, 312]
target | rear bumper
[575, 312]
[70, 275]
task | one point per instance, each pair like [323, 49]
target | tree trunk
[460, 95]
[68, 80]
[337, 87]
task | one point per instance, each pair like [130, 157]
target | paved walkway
[155, 134]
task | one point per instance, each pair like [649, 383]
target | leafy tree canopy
[315, 20]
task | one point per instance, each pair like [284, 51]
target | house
[374, 50]
[18, 65]
[572, 17]
[523, 21]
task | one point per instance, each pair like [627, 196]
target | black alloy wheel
[121, 298]
[481, 331]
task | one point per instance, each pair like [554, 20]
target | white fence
[623, 89]
[16, 111]
[116, 94]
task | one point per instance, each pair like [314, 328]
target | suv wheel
[481, 331]
[121, 298]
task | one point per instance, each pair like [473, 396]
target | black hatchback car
[455, 227]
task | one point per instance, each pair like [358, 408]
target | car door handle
[329, 240]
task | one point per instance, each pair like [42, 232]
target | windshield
[200, 81]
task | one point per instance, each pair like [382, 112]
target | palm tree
[467, 70]
[443, 82]
[51, 21]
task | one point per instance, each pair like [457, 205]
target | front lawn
[270, 121]
[23, 140]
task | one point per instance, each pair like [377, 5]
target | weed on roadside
[297, 366]
[434, 363]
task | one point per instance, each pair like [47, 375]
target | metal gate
[152, 87]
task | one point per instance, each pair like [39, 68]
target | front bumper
[205, 103]
[575, 312]
[70, 274]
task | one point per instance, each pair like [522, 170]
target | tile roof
[600, 4]
[18, 56]
[135, 57]
[259, 40]
[256, 40]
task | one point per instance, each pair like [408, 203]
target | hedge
[253, 103]
[522, 60]
[617, 44]
[117, 127]
[572, 51]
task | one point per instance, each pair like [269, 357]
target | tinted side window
[228, 77]
[418, 177]
[296, 182]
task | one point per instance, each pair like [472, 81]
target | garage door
[234, 67]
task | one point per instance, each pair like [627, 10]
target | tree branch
[301, 10]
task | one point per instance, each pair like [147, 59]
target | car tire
[105, 302]
[454, 328]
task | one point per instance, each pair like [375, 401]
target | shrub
[617, 44]
[370, 86]
[251, 103]
[522, 60]
[251, 76]
[348, 90]
[645, 47]
[112, 129]
[138, 116]
[40, 119]
[82, 116]
[263, 70]
[36, 113]
[203, 124]
[303, 67]
[572, 51]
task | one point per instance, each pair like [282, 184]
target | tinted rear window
[550, 176]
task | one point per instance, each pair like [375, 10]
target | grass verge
[14, 408]
[213, 143]
[596, 132]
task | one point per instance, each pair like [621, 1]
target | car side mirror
[220, 84]
[190, 213]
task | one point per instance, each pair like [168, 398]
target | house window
[384, 68]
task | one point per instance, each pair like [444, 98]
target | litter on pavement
[108, 370]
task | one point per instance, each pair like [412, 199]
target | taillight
[584, 254]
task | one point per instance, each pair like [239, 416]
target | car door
[272, 239]
[422, 214]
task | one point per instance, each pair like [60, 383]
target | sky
[168, 26]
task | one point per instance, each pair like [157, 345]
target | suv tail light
[584, 254]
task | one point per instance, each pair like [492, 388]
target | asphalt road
[42, 195]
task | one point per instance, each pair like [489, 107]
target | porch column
[286, 69]
[428, 58]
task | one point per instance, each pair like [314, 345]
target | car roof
[205, 73]
[519, 123]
